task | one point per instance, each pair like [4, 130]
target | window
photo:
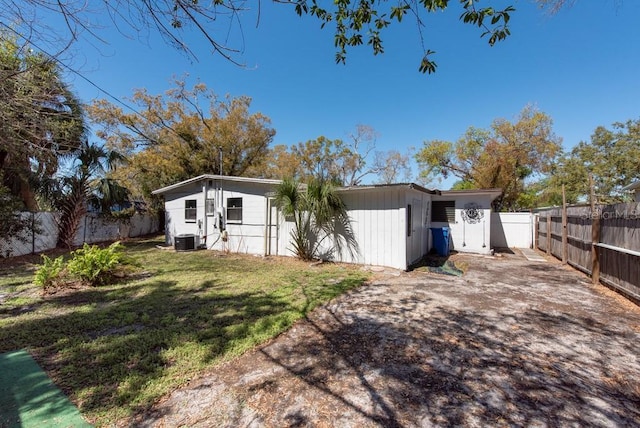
[443, 211]
[190, 211]
[234, 210]
[210, 206]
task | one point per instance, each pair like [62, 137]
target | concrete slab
[532, 255]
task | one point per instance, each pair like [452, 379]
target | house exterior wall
[378, 221]
[389, 225]
[246, 236]
[417, 231]
[174, 205]
[467, 236]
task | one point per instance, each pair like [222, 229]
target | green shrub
[50, 273]
[98, 266]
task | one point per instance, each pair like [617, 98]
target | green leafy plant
[98, 266]
[122, 215]
[50, 273]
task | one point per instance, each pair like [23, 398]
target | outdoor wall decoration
[472, 213]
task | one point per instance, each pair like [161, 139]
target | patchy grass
[116, 349]
[449, 265]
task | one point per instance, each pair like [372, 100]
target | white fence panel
[48, 236]
[19, 245]
[143, 225]
[511, 230]
[93, 228]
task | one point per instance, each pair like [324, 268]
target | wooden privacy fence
[603, 242]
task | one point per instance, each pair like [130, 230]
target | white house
[390, 224]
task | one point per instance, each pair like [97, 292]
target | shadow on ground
[506, 345]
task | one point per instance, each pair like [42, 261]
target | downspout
[205, 189]
[266, 224]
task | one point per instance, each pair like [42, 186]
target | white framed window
[234, 210]
[190, 210]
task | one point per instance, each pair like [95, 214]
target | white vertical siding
[175, 223]
[247, 236]
[417, 245]
[466, 237]
[378, 224]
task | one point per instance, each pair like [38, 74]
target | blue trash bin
[440, 240]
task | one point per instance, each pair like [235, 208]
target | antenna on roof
[220, 168]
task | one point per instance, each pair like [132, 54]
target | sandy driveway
[511, 343]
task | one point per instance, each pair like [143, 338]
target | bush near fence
[616, 251]
[43, 234]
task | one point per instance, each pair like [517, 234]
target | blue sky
[580, 66]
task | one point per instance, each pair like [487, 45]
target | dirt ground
[510, 343]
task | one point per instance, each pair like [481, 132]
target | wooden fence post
[549, 232]
[595, 235]
[33, 232]
[536, 229]
[595, 255]
[564, 227]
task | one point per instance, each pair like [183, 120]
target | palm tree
[318, 213]
[41, 119]
[79, 188]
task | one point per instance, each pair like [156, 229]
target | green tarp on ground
[28, 398]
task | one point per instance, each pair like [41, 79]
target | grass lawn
[116, 349]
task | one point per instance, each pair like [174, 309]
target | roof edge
[495, 192]
[214, 177]
[386, 186]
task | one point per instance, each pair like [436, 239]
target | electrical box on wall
[220, 223]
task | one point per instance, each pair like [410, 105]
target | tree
[505, 157]
[173, 137]
[12, 222]
[280, 161]
[41, 120]
[612, 157]
[85, 183]
[319, 159]
[356, 22]
[318, 213]
[352, 160]
[342, 163]
[392, 166]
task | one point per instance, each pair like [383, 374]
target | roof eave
[494, 193]
[388, 186]
[633, 186]
[214, 177]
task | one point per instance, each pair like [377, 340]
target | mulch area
[510, 343]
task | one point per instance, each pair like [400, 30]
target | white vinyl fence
[43, 234]
[512, 230]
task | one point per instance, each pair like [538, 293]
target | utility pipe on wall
[205, 189]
